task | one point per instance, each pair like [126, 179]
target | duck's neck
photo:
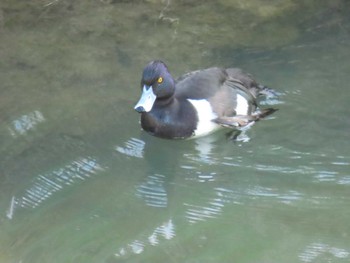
[166, 102]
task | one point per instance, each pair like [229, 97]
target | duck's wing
[200, 84]
[224, 89]
[247, 80]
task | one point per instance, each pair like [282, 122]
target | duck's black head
[156, 84]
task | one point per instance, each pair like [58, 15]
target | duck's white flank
[242, 105]
[205, 114]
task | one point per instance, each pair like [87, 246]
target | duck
[199, 102]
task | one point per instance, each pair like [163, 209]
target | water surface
[79, 180]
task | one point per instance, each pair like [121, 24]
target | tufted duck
[198, 102]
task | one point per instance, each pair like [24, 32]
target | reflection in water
[205, 146]
[11, 209]
[315, 252]
[344, 180]
[332, 177]
[196, 213]
[133, 147]
[25, 123]
[259, 192]
[263, 194]
[137, 246]
[45, 185]
[152, 191]
[325, 176]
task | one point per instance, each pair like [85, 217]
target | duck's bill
[146, 101]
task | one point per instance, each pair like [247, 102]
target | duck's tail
[263, 113]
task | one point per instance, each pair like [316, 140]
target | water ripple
[314, 251]
[164, 231]
[153, 192]
[25, 123]
[211, 209]
[258, 192]
[196, 213]
[133, 147]
[45, 185]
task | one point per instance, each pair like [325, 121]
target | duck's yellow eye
[160, 80]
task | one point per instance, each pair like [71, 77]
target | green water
[79, 180]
